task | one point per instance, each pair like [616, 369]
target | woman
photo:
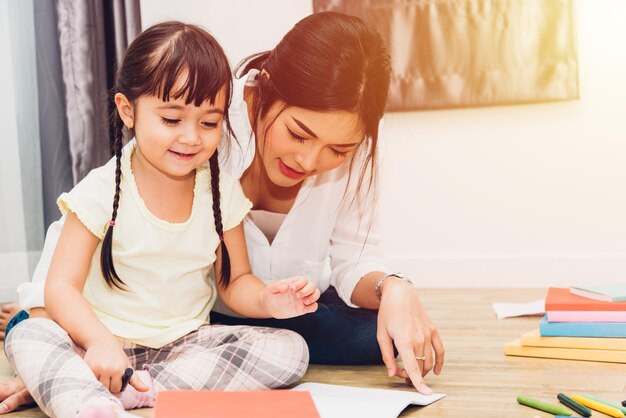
[306, 117]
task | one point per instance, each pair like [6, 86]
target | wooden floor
[479, 380]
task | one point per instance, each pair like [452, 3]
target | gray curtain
[58, 64]
[457, 53]
[56, 164]
[93, 36]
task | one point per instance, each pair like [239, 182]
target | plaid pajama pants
[215, 357]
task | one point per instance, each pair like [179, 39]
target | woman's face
[301, 143]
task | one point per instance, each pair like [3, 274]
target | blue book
[582, 329]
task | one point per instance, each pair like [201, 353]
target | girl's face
[175, 138]
[301, 143]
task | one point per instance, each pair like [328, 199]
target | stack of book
[580, 324]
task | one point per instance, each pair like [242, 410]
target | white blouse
[331, 236]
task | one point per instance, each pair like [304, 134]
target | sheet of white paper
[334, 401]
[508, 310]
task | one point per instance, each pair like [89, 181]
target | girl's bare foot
[102, 408]
[131, 398]
[7, 312]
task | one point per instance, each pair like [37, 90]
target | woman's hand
[108, 362]
[290, 297]
[13, 394]
[402, 320]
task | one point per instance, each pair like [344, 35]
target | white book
[333, 401]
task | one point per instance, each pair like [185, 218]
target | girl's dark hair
[328, 61]
[153, 64]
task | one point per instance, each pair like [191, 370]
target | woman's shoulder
[237, 147]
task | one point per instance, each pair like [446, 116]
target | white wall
[242, 27]
[528, 195]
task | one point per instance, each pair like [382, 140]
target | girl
[139, 239]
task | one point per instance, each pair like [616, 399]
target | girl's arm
[66, 305]
[247, 295]
[65, 281]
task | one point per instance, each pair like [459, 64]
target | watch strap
[379, 282]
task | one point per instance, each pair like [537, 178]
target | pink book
[586, 316]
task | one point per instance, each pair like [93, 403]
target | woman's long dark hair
[155, 61]
[328, 61]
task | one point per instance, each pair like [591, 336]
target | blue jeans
[19, 317]
[335, 333]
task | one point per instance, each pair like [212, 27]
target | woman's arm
[364, 293]
[31, 294]
[402, 320]
[357, 265]
[356, 256]
[247, 295]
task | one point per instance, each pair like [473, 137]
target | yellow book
[534, 339]
[514, 348]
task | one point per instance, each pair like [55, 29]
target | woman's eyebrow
[310, 132]
[304, 127]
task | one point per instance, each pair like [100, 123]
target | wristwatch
[380, 281]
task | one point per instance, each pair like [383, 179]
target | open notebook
[334, 401]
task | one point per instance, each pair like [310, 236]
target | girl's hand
[403, 321]
[290, 297]
[108, 362]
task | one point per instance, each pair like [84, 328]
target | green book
[615, 292]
